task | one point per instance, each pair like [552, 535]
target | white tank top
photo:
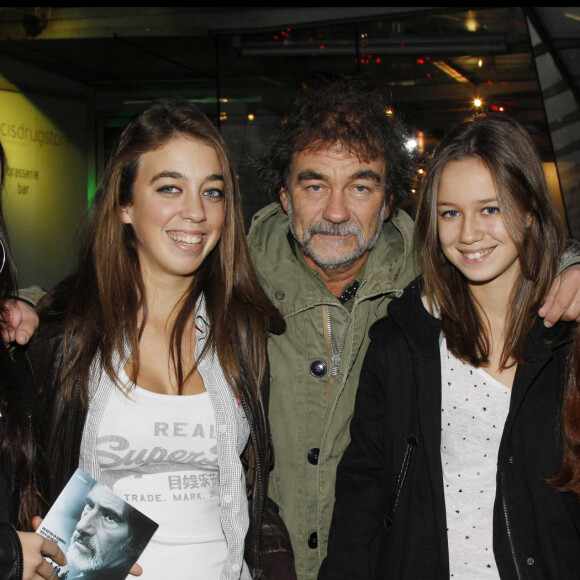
[158, 452]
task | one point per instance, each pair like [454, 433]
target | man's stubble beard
[345, 228]
[81, 561]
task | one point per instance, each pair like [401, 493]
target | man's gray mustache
[84, 540]
[343, 229]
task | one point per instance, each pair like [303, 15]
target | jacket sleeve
[358, 517]
[11, 563]
[570, 256]
[276, 556]
[268, 547]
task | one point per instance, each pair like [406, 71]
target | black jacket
[59, 425]
[389, 518]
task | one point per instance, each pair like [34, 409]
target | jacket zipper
[411, 444]
[508, 527]
[336, 357]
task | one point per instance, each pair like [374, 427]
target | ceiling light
[451, 72]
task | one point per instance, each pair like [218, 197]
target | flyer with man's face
[101, 535]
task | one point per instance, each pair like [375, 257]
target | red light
[378, 60]
[494, 108]
[420, 61]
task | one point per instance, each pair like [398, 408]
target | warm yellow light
[471, 24]
[251, 117]
[480, 63]
[477, 102]
[389, 112]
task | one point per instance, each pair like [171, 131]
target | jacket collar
[282, 273]
[422, 331]
[411, 313]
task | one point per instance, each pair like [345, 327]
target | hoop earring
[3, 256]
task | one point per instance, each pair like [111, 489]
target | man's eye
[315, 187]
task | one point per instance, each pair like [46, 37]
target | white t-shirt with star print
[474, 408]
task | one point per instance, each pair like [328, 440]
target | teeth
[185, 239]
[476, 255]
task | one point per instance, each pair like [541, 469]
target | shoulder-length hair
[101, 301]
[507, 151]
[17, 449]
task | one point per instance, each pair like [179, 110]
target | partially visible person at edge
[21, 552]
[331, 254]
[455, 433]
[151, 359]
[568, 478]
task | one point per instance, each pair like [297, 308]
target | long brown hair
[507, 151]
[17, 440]
[569, 477]
[101, 301]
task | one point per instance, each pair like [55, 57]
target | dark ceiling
[434, 61]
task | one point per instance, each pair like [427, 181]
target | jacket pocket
[412, 443]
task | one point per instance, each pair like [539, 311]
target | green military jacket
[310, 410]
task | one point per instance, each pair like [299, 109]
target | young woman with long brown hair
[151, 360]
[455, 433]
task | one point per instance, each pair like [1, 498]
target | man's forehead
[336, 156]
